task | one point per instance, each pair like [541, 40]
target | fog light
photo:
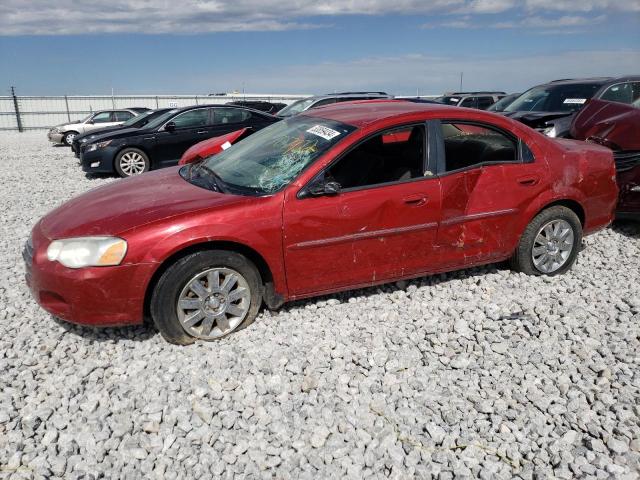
[95, 164]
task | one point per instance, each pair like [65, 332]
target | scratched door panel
[360, 237]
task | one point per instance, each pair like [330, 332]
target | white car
[66, 132]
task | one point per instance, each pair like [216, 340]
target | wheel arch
[573, 205]
[270, 297]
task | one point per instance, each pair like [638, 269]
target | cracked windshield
[271, 158]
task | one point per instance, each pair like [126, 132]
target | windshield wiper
[218, 182]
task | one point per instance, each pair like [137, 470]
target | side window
[485, 102]
[394, 155]
[192, 118]
[468, 145]
[102, 117]
[123, 116]
[621, 92]
[467, 102]
[229, 115]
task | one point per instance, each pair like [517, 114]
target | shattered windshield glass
[270, 159]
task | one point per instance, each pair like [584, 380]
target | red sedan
[341, 197]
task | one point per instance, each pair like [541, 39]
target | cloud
[557, 24]
[64, 17]
[430, 74]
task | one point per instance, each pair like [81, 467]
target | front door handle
[415, 200]
[635, 189]
[200, 132]
[528, 181]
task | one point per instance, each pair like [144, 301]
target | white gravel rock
[481, 373]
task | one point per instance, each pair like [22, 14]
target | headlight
[87, 251]
[54, 130]
[96, 146]
[550, 131]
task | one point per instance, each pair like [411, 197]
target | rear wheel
[68, 137]
[206, 295]
[131, 161]
[550, 243]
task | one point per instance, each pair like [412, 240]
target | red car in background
[617, 126]
[213, 146]
[336, 198]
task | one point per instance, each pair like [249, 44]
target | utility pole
[461, 75]
[17, 109]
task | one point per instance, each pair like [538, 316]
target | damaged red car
[340, 197]
[616, 125]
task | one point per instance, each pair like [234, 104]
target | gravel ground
[480, 373]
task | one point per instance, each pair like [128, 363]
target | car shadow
[628, 228]
[100, 176]
[137, 333]
[402, 285]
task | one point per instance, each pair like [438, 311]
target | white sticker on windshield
[225, 145]
[324, 132]
[579, 101]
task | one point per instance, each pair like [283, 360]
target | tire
[130, 162]
[68, 137]
[547, 233]
[183, 313]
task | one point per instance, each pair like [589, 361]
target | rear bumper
[99, 296]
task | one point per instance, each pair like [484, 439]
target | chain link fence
[42, 112]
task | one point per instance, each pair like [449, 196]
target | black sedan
[134, 122]
[162, 141]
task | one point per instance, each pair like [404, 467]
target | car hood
[70, 124]
[120, 133]
[536, 119]
[212, 146]
[613, 124]
[131, 203]
[100, 131]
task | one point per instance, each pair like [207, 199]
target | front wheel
[206, 295]
[131, 161]
[550, 243]
[68, 138]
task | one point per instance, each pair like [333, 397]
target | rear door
[381, 225]
[488, 177]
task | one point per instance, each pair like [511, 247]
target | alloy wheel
[213, 303]
[553, 246]
[132, 163]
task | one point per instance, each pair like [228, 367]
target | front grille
[626, 160]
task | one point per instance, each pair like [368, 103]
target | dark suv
[550, 108]
[478, 100]
[328, 99]
[161, 142]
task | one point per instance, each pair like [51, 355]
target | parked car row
[338, 197]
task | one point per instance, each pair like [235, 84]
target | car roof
[348, 94]
[363, 112]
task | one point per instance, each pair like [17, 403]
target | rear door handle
[528, 181]
[415, 200]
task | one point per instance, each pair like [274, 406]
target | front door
[191, 127]
[381, 225]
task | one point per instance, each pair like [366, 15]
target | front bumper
[55, 137]
[97, 161]
[97, 296]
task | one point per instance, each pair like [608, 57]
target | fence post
[196, 100]
[66, 102]
[17, 109]
[156, 101]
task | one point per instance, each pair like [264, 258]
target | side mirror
[170, 127]
[91, 122]
[321, 188]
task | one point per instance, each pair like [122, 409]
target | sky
[404, 47]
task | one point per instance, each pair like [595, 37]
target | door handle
[635, 189]
[528, 181]
[415, 200]
[200, 132]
